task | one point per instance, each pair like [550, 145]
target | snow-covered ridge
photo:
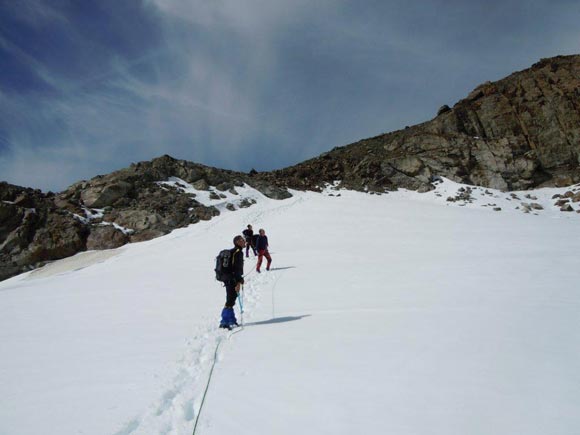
[236, 197]
[544, 201]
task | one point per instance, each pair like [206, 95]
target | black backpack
[223, 266]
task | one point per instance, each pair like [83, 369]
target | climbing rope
[240, 297]
[221, 339]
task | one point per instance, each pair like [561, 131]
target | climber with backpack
[230, 270]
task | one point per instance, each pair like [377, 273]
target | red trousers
[261, 254]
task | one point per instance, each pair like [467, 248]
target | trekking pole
[241, 299]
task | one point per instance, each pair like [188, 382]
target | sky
[90, 87]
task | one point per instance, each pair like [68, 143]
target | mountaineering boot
[232, 321]
[228, 318]
[225, 322]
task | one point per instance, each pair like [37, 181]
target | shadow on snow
[277, 320]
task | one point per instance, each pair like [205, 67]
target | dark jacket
[248, 235]
[262, 243]
[237, 264]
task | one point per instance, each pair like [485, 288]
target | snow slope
[400, 313]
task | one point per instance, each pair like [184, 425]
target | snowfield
[400, 313]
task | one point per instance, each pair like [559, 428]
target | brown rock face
[102, 194]
[33, 231]
[106, 237]
[518, 133]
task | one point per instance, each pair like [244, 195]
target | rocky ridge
[518, 133]
[130, 205]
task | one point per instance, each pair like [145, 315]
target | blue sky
[88, 87]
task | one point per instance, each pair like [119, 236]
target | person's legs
[231, 295]
[260, 256]
[228, 314]
[267, 255]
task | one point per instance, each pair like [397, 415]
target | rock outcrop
[517, 133]
[33, 230]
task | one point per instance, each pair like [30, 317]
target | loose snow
[402, 313]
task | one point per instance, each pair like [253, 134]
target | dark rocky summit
[517, 133]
